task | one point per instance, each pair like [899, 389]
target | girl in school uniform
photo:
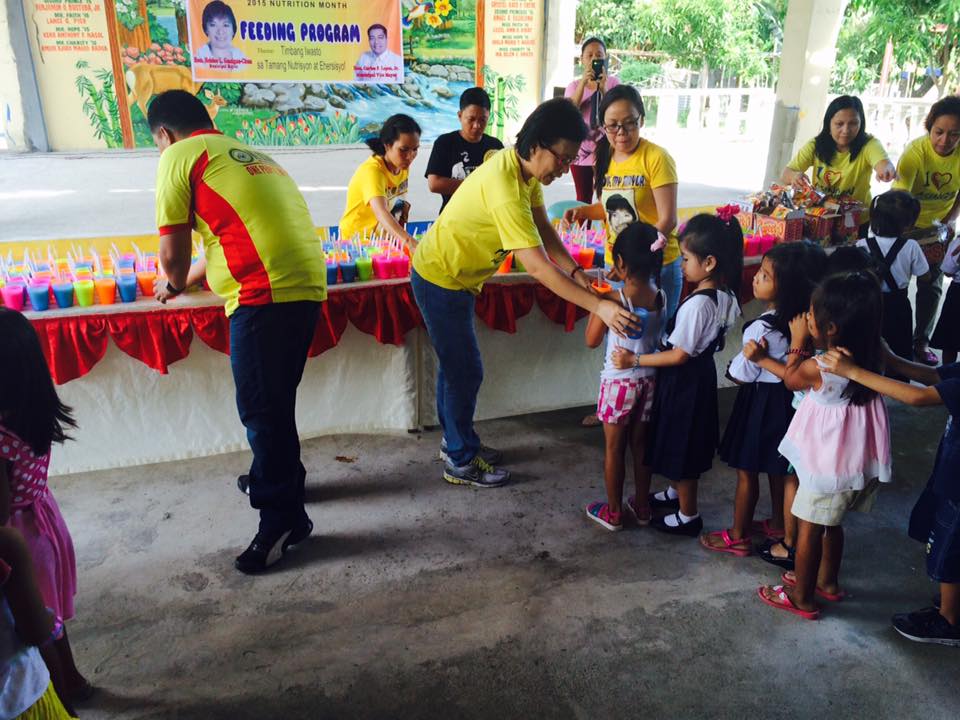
[898, 259]
[946, 337]
[685, 426]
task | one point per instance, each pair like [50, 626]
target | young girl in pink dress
[32, 418]
[839, 439]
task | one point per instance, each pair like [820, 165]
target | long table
[152, 383]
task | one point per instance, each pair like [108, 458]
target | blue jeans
[449, 317]
[671, 280]
[268, 350]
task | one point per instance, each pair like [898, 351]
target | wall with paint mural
[98, 65]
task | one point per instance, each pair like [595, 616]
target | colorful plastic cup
[517, 265]
[585, 256]
[106, 290]
[506, 265]
[127, 284]
[146, 280]
[399, 266]
[63, 294]
[39, 294]
[348, 269]
[641, 314]
[364, 268]
[332, 273]
[601, 287]
[598, 256]
[13, 296]
[381, 267]
[84, 292]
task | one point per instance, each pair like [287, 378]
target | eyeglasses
[564, 162]
[627, 126]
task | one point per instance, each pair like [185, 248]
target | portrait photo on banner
[350, 41]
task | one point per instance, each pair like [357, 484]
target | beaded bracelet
[799, 351]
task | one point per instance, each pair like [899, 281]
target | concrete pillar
[560, 18]
[22, 114]
[806, 61]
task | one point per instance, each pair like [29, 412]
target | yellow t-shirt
[489, 215]
[932, 179]
[627, 194]
[259, 239]
[842, 176]
[372, 179]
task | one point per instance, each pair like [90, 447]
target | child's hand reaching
[837, 361]
[623, 359]
[799, 330]
[755, 351]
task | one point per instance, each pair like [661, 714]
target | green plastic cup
[84, 291]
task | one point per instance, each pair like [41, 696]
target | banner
[345, 41]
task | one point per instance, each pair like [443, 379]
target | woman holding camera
[587, 93]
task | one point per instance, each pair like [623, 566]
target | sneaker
[689, 529]
[641, 516]
[490, 455]
[600, 513]
[660, 501]
[478, 472]
[263, 552]
[298, 534]
[927, 626]
[243, 484]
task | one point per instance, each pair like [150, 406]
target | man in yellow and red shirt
[263, 257]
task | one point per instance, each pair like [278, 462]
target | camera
[598, 66]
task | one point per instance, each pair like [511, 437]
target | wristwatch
[172, 290]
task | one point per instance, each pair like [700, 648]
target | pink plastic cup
[14, 296]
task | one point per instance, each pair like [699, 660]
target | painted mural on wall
[135, 49]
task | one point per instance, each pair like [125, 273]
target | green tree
[925, 35]
[741, 37]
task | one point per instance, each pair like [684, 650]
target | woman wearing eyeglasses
[640, 173]
[498, 209]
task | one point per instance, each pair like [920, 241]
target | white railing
[727, 112]
[895, 121]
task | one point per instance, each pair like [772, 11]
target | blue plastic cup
[332, 274]
[127, 284]
[641, 314]
[349, 271]
[39, 296]
[63, 293]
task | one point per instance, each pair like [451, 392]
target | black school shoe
[765, 552]
[267, 550]
[672, 504]
[927, 626]
[243, 484]
[687, 529]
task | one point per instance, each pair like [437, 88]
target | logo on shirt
[256, 163]
[940, 179]
[242, 156]
[832, 178]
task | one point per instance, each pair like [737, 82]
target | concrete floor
[416, 599]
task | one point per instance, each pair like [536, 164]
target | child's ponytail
[639, 247]
[394, 126]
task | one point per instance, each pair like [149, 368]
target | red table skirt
[73, 345]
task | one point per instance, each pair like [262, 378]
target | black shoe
[927, 626]
[243, 484]
[659, 504]
[766, 554]
[936, 601]
[263, 552]
[689, 529]
[298, 534]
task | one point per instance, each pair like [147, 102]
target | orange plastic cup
[586, 256]
[146, 280]
[506, 265]
[601, 287]
[106, 290]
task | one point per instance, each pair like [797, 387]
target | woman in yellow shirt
[843, 156]
[375, 195]
[929, 169]
[498, 209]
[635, 179]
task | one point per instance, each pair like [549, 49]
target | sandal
[590, 420]
[642, 516]
[740, 548]
[763, 527]
[783, 602]
[601, 513]
[789, 579]
[766, 554]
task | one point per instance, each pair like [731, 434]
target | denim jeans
[449, 317]
[268, 350]
[671, 280]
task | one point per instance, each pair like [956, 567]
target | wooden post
[119, 79]
[481, 39]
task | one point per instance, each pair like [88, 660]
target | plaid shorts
[622, 397]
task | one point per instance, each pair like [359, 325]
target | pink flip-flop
[790, 580]
[729, 544]
[783, 602]
[762, 527]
